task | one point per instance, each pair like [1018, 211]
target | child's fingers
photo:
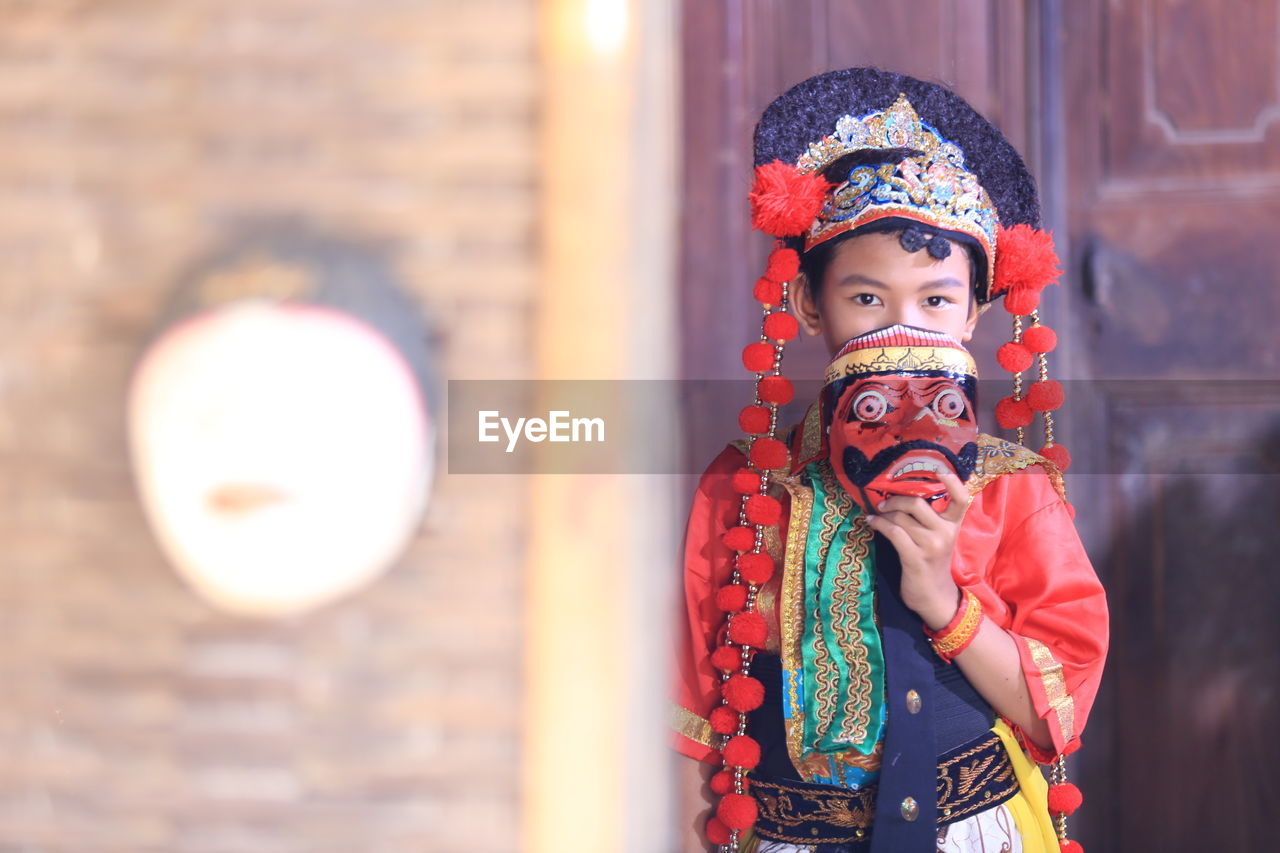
[908, 547]
[907, 522]
[896, 535]
[916, 508]
[960, 497]
[929, 540]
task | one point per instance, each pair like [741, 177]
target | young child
[868, 667]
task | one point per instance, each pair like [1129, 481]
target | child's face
[872, 282]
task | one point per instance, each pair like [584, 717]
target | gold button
[913, 701]
[910, 809]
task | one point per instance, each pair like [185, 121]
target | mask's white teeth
[918, 465]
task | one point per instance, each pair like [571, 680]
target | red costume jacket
[1017, 550]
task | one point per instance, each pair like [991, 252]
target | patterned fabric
[970, 778]
[835, 697]
[1022, 822]
[990, 831]
[985, 832]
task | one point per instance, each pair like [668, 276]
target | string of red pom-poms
[784, 202]
[1063, 799]
[1025, 264]
[745, 630]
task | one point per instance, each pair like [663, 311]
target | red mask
[900, 408]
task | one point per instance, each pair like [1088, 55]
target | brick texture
[133, 135]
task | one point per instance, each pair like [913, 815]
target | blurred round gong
[280, 426]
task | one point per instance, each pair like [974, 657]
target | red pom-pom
[1064, 798]
[755, 568]
[746, 481]
[1040, 338]
[731, 598]
[784, 265]
[1058, 455]
[742, 751]
[767, 292]
[722, 782]
[780, 326]
[748, 629]
[776, 390]
[738, 811]
[1022, 301]
[1012, 413]
[1070, 846]
[717, 832]
[743, 693]
[767, 453]
[1045, 395]
[739, 538]
[763, 509]
[1025, 260]
[758, 357]
[754, 420]
[1014, 357]
[724, 720]
[785, 201]
[726, 658]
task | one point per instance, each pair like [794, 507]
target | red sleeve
[707, 566]
[1050, 599]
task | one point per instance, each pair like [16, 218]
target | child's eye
[937, 301]
[866, 298]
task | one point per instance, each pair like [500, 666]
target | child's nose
[906, 313]
[902, 314]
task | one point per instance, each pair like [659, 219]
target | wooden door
[1171, 158]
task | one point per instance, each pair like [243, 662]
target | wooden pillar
[603, 553]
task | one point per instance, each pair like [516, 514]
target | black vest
[951, 713]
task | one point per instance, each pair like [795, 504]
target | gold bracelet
[960, 631]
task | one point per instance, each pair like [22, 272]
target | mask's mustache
[862, 471]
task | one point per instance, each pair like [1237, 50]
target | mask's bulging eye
[870, 406]
[949, 404]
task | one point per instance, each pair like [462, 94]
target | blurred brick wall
[133, 134]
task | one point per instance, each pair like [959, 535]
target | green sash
[843, 662]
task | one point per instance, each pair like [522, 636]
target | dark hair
[913, 236]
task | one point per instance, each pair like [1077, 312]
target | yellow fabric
[1030, 806]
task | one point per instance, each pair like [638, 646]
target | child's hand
[925, 539]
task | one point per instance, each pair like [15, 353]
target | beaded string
[731, 829]
[1042, 362]
[1017, 377]
[1058, 776]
